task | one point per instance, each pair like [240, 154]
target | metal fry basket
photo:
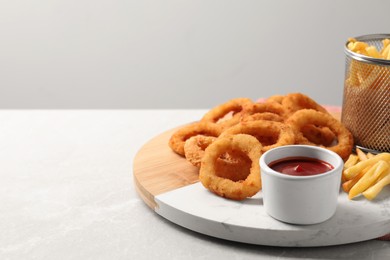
[366, 99]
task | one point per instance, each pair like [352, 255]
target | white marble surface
[66, 192]
[247, 221]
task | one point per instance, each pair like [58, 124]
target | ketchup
[300, 166]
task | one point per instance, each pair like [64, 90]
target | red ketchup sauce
[300, 166]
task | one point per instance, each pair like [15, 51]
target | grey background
[175, 53]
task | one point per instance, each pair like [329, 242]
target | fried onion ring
[195, 146]
[297, 101]
[229, 113]
[233, 167]
[270, 134]
[225, 187]
[318, 135]
[270, 107]
[268, 116]
[306, 117]
[275, 98]
[177, 140]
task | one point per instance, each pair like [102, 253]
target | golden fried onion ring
[195, 146]
[318, 135]
[270, 107]
[275, 98]
[228, 113]
[306, 117]
[270, 134]
[231, 166]
[177, 140]
[268, 116]
[297, 101]
[236, 190]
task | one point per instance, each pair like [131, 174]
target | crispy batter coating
[297, 101]
[276, 98]
[318, 135]
[270, 107]
[223, 185]
[268, 116]
[270, 134]
[195, 146]
[228, 113]
[306, 117]
[177, 140]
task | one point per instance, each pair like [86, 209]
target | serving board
[169, 185]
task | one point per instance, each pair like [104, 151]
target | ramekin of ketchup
[300, 183]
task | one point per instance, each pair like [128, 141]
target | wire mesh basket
[366, 99]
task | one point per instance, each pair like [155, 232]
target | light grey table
[67, 192]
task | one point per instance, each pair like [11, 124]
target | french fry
[369, 178]
[374, 190]
[347, 186]
[364, 172]
[362, 52]
[373, 52]
[358, 46]
[360, 74]
[354, 170]
[371, 80]
[362, 156]
[351, 42]
[354, 70]
[352, 160]
[385, 42]
[385, 51]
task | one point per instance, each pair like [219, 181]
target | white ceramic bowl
[301, 199]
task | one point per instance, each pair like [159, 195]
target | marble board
[169, 185]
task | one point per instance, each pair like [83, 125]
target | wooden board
[157, 169]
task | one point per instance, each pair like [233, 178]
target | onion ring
[177, 140]
[195, 146]
[229, 113]
[270, 134]
[275, 98]
[234, 168]
[270, 107]
[228, 166]
[306, 117]
[268, 116]
[236, 190]
[297, 101]
[318, 135]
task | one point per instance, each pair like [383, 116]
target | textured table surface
[67, 192]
